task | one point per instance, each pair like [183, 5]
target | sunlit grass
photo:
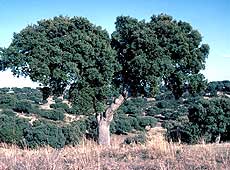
[155, 154]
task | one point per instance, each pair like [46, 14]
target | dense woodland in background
[190, 119]
[110, 81]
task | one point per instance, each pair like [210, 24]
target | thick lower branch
[104, 120]
[115, 106]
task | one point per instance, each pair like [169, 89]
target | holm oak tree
[73, 53]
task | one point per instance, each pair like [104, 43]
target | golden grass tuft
[155, 154]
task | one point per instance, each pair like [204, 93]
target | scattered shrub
[91, 127]
[57, 100]
[121, 124]
[44, 101]
[12, 129]
[8, 100]
[63, 106]
[8, 112]
[137, 139]
[72, 133]
[73, 110]
[23, 106]
[206, 120]
[57, 114]
[45, 133]
[146, 121]
[133, 106]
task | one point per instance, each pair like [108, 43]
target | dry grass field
[156, 154]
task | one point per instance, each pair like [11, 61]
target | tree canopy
[63, 52]
[162, 50]
[73, 52]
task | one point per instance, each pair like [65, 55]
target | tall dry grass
[155, 154]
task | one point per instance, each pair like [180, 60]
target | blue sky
[210, 17]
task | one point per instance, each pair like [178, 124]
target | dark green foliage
[153, 110]
[137, 139]
[63, 52]
[206, 120]
[144, 121]
[57, 100]
[27, 93]
[212, 117]
[133, 106]
[80, 55]
[45, 133]
[170, 109]
[187, 132]
[8, 112]
[215, 86]
[160, 50]
[44, 101]
[130, 117]
[123, 123]
[7, 100]
[4, 90]
[75, 131]
[226, 86]
[73, 110]
[60, 105]
[46, 92]
[91, 127]
[12, 129]
[57, 114]
[163, 104]
[24, 106]
[86, 127]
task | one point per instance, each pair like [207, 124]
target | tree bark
[104, 120]
[104, 133]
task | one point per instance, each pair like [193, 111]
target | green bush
[186, 132]
[91, 127]
[4, 90]
[63, 106]
[23, 106]
[12, 129]
[57, 100]
[73, 133]
[137, 139]
[7, 100]
[165, 95]
[144, 121]
[35, 99]
[57, 114]
[73, 110]
[121, 124]
[133, 106]
[152, 111]
[44, 101]
[206, 120]
[45, 133]
[8, 112]
[87, 127]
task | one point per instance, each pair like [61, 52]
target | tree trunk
[104, 120]
[103, 133]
